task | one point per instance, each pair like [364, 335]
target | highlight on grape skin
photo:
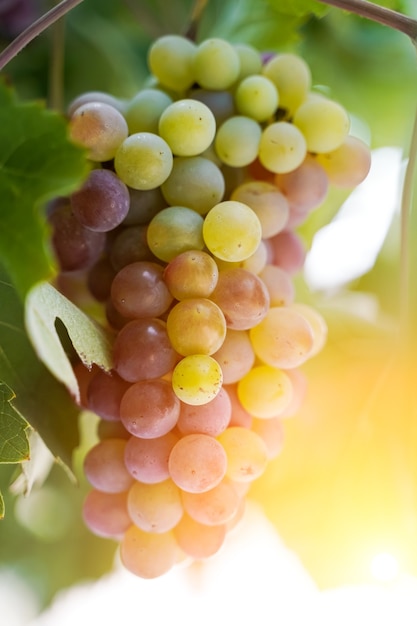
[213, 164]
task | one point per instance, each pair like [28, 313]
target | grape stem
[376, 13]
[36, 29]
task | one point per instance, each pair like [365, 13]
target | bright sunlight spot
[385, 567]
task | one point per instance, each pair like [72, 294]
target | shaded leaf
[37, 162]
[14, 444]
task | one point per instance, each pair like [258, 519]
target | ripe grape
[149, 408]
[148, 555]
[100, 128]
[197, 379]
[106, 514]
[196, 326]
[146, 460]
[265, 391]
[216, 64]
[324, 124]
[143, 161]
[155, 508]
[270, 205]
[174, 230]
[246, 453]
[282, 147]
[104, 466]
[143, 111]
[210, 418]
[237, 141]
[191, 274]
[257, 97]
[292, 77]
[188, 126]
[216, 506]
[197, 463]
[170, 59]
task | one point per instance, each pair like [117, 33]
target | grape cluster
[185, 232]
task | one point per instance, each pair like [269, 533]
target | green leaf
[29, 389]
[37, 162]
[14, 443]
[44, 305]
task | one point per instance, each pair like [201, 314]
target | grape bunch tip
[185, 237]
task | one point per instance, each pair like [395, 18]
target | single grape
[237, 141]
[191, 274]
[174, 230]
[106, 514]
[104, 394]
[257, 97]
[194, 182]
[143, 111]
[102, 202]
[265, 391]
[148, 555]
[100, 128]
[197, 463]
[216, 506]
[170, 59]
[188, 127]
[196, 326]
[216, 64]
[269, 203]
[149, 408]
[250, 60]
[279, 284]
[287, 251]
[292, 77]
[282, 147]
[348, 165]
[197, 379]
[232, 231]
[139, 290]
[236, 356]
[207, 419]
[142, 350]
[317, 323]
[155, 508]
[143, 161]
[104, 466]
[95, 96]
[246, 452]
[147, 459]
[324, 124]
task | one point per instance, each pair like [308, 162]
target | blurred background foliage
[311, 491]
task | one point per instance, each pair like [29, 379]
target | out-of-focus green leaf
[37, 162]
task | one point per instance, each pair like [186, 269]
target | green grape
[197, 379]
[174, 230]
[237, 141]
[257, 97]
[100, 128]
[232, 231]
[282, 147]
[216, 64]
[194, 182]
[292, 78]
[143, 111]
[196, 326]
[265, 391]
[250, 60]
[143, 161]
[188, 126]
[170, 60]
[324, 123]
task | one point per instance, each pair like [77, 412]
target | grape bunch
[185, 234]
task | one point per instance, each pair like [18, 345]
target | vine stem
[36, 29]
[376, 13]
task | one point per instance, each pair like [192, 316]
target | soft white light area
[255, 579]
[385, 567]
[18, 603]
[348, 247]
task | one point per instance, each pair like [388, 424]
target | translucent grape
[324, 124]
[104, 466]
[196, 326]
[139, 290]
[236, 356]
[282, 147]
[143, 161]
[269, 204]
[148, 555]
[197, 379]
[174, 230]
[292, 78]
[272, 433]
[170, 59]
[232, 231]
[246, 452]
[250, 60]
[284, 338]
[265, 391]
[256, 261]
[155, 508]
[147, 459]
[197, 463]
[195, 182]
[191, 274]
[207, 419]
[102, 202]
[348, 165]
[100, 128]
[279, 284]
[199, 541]
[216, 64]
[257, 97]
[317, 323]
[106, 514]
[188, 126]
[237, 141]
[242, 297]
[149, 408]
[143, 111]
[142, 350]
[288, 251]
[216, 506]
[104, 394]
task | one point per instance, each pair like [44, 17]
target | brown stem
[196, 14]
[36, 29]
[376, 13]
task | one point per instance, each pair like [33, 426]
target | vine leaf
[44, 305]
[37, 162]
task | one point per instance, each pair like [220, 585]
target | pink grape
[106, 514]
[199, 540]
[147, 459]
[149, 408]
[155, 508]
[197, 463]
[104, 466]
[208, 419]
[104, 394]
[148, 555]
